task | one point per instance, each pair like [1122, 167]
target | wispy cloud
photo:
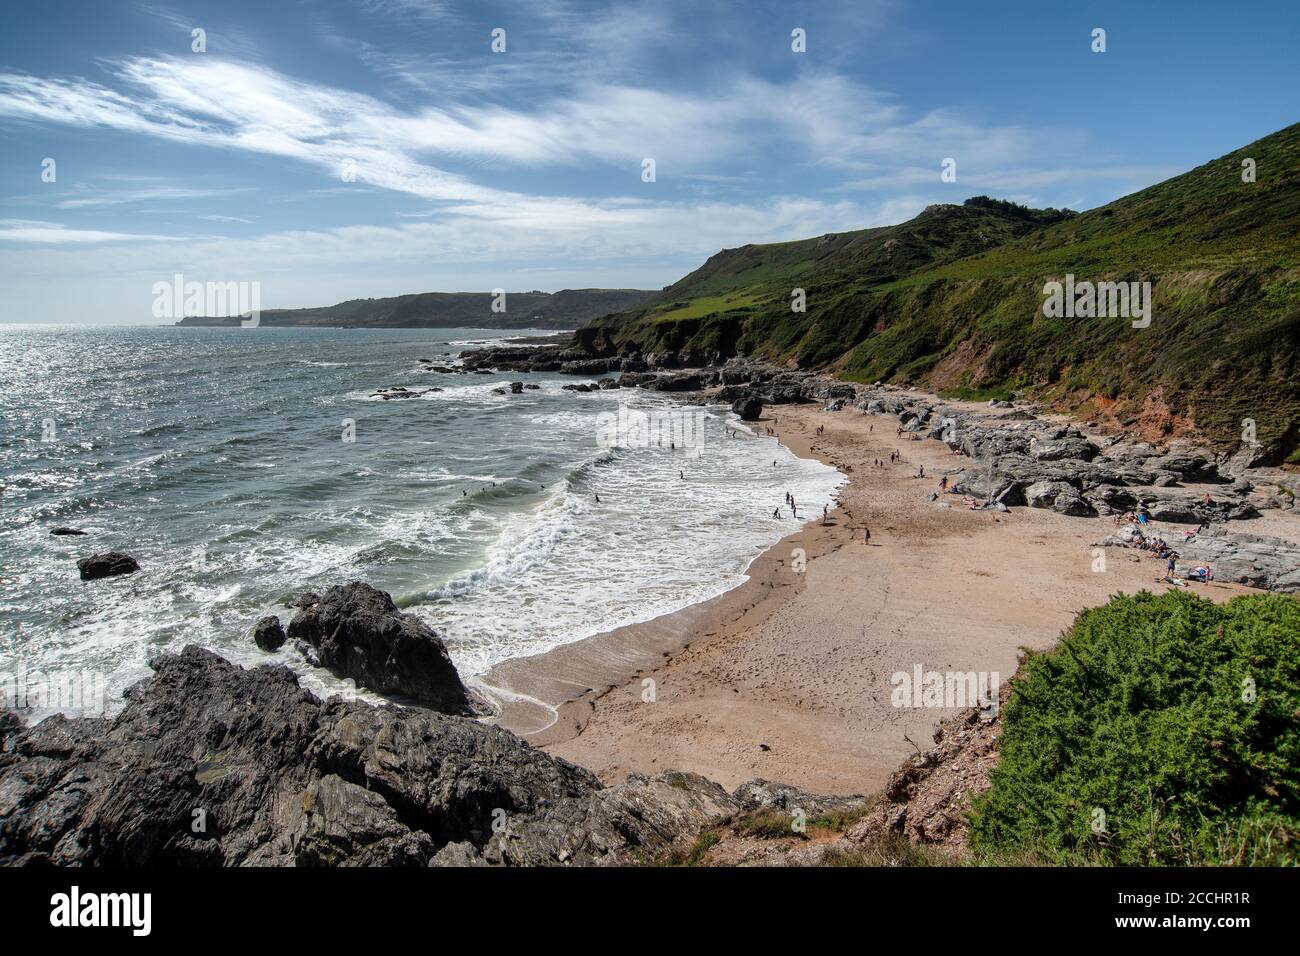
[154, 194]
[36, 231]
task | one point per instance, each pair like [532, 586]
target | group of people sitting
[1158, 546]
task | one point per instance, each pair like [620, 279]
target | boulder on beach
[358, 632]
[107, 565]
[1061, 497]
[748, 407]
[268, 634]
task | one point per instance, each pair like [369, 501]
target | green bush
[1145, 712]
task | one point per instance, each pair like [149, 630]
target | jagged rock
[276, 776]
[639, 819]
[676, 382]
[107, 565]
[1190, 509]
[757, 794]
[358, 632]
[606, 383]
[587, 367]
[516, 388]
[268, 634]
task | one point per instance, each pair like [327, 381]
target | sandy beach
[787, 677]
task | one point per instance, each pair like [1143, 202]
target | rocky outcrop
[268, 634]
[748, 407]
[637, 821]
[928, 799]
[212, 764]
[398, 392]
[588, 367]
[677, 382]
[62, 532]
[107, 565]
[1260, 561]
[1059, 496]
[357, 631]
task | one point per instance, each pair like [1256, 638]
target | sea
[241, 467]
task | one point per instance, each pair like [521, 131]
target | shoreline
[536, 692]
[786, 676]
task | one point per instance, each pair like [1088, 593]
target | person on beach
[943, 483]
[866, 535]
[1172, 564]
[825, 512]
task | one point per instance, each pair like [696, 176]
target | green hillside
[952, 300]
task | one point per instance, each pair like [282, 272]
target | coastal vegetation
[1162, 730]
[952, 301]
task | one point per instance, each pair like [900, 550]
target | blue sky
[523, 169]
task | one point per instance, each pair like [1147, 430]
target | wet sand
[787, 676]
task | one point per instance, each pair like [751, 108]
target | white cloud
[28, 230]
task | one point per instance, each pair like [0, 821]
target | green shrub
[1145, 713]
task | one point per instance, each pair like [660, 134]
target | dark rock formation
[749, 407]
[211, 764]
[107, 565]
[358, 632]
[67, 531]
[588, 367]
[677, 382]
[268, 634]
